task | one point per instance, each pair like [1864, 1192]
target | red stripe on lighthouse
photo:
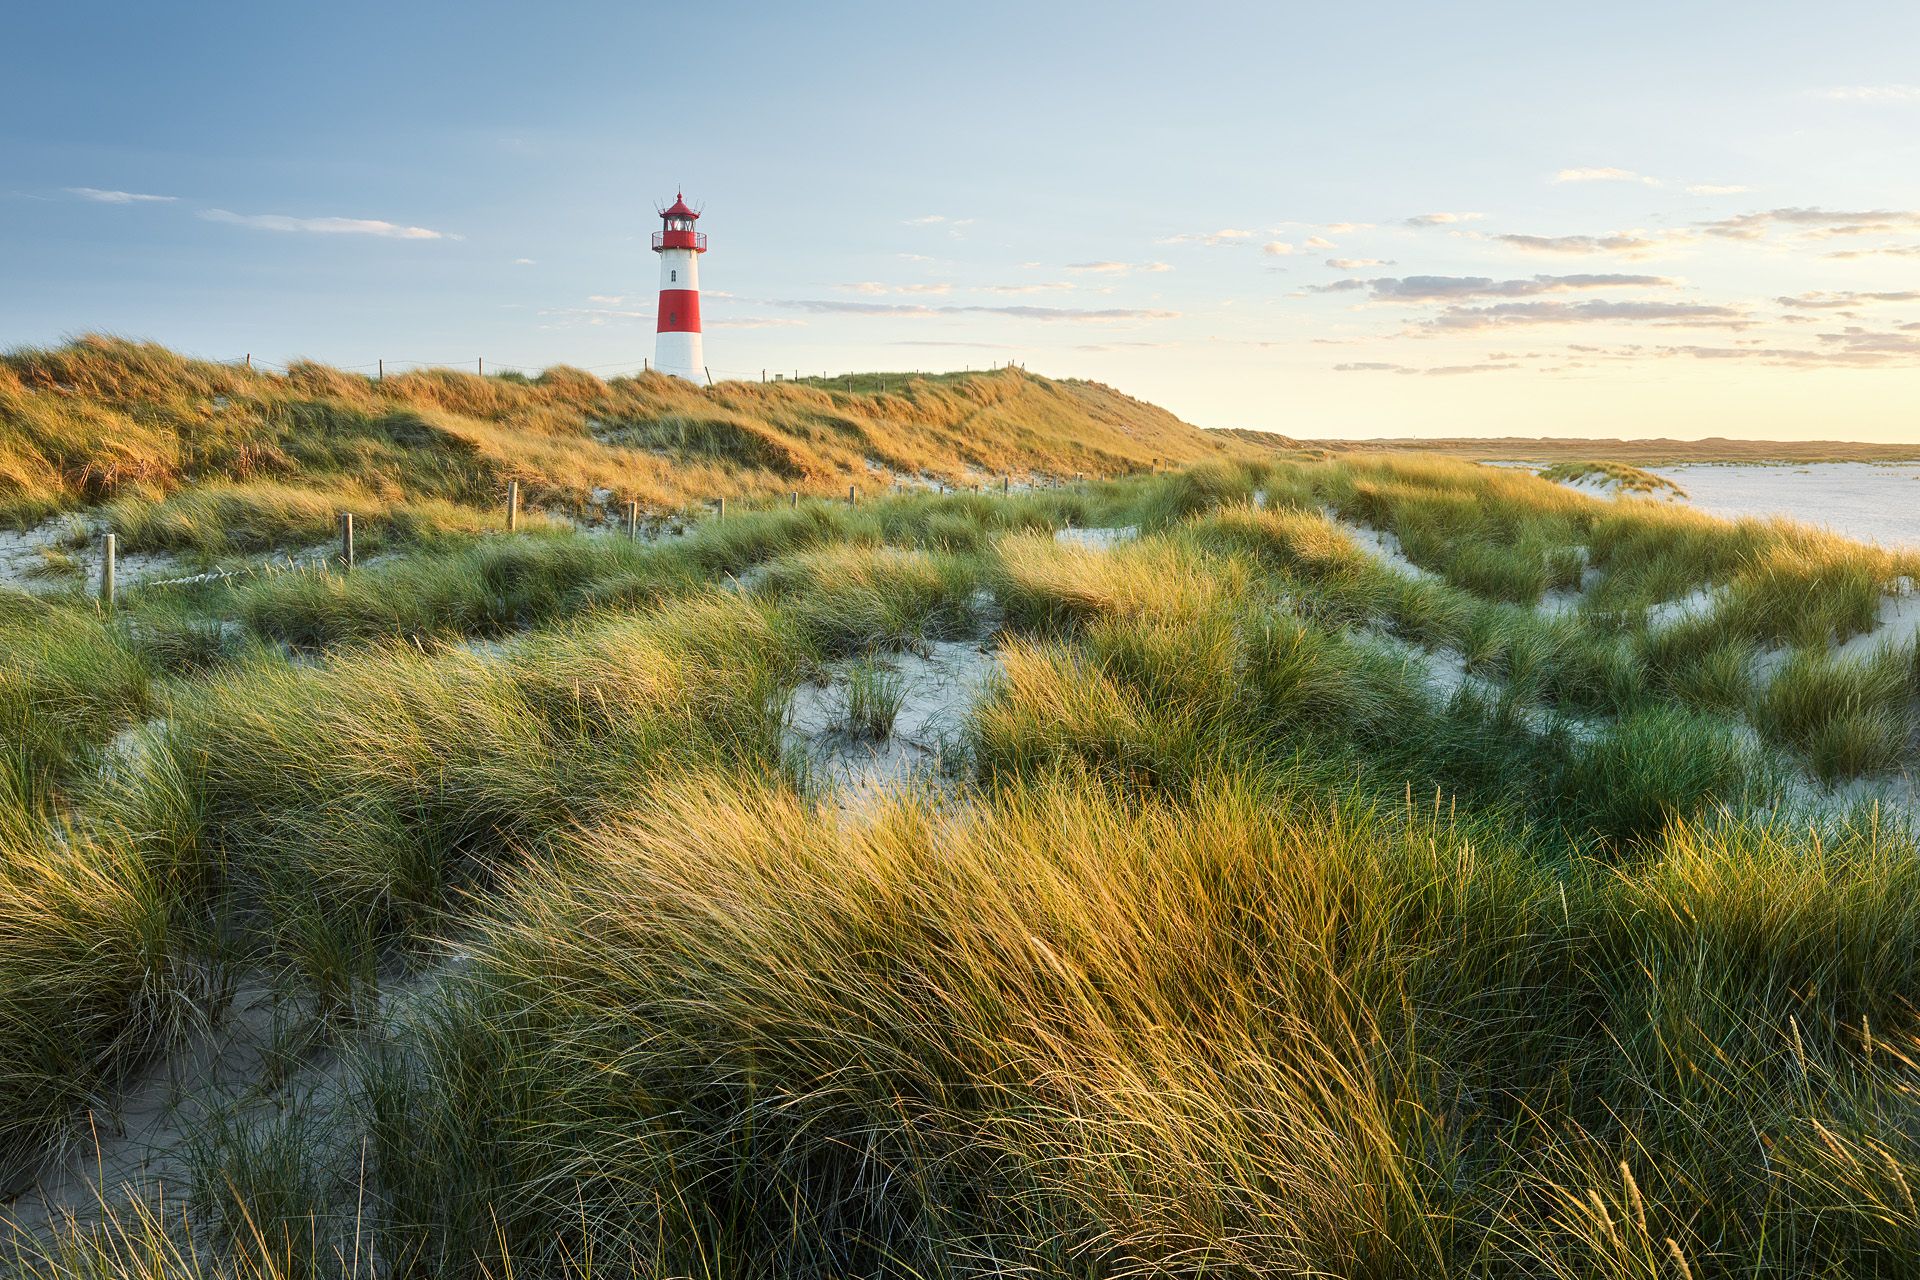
[679, 311]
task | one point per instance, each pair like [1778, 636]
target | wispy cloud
[118, 197]
[1717, 189]
[1358, 264]
[1224, 236]
[942, 342]
[1431, 371]
[1045, 286]
[1883, 251]
[875, 288]
[916, 310]
[1454, 288]
[955, 227]
[1822, 300]
[1276, 248]
[1590, 311]
[596, 315]
[1820, 223]
[1318, 242]
[1107, 268]
[1871, 93]
[523, 262]
[326, 226]
[1604, 175]
[1630, 244]
[758, 322]
[1853, 347]
[1441, 219]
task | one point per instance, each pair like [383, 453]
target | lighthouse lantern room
[676, 348]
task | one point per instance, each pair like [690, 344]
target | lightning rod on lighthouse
[676, 345]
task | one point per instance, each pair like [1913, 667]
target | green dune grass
[1276, 911]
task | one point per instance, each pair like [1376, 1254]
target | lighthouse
[676, 344]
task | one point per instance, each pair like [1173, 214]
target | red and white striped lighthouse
[676, 344]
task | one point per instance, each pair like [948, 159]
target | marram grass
[1279, 914]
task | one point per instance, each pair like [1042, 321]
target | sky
[1674, 219]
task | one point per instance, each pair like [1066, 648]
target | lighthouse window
[672, 276]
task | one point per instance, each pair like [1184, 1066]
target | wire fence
[379, 368]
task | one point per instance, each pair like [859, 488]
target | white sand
[940, 690]
[1104, 539]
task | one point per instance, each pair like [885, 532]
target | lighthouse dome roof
[679, 208]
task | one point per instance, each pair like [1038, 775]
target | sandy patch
[65, 552]
[1381, 545]
[1897, 622]
[1103, 539]
[1697, 603]
[939, 691]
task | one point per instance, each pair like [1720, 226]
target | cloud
[1456, 288]
[1117, 268]
[1717, 189]
[758, 322]
[596, 315]
[118, 197]
[523, 262]
[916, 310]
[1820, 223]
[1872, 93]
[1630, 244]
[1853, 347]
[942, 342]
[1048, 286]
[1356, 264]
[1224, 236]
[1592, 311]
[1441, 219]
[1432, 371]
[875, 287]
[1276, 248]
[1821, 300]
[913, 257]
[955, 227]
[325, 226]
[1884, 251]
[1604, 175]
[1319, 242]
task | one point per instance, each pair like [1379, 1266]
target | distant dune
[1640, 452]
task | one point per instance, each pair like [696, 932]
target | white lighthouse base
[680, 354]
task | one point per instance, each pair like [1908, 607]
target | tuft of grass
[1849, 716]
[89, 983]
[1616, 477]
[1656, 767]
[874, 697]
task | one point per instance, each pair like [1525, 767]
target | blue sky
[1634, 219]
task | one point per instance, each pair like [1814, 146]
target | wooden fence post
[633, 522]
[109, 555]
[793, 499]
[850, 500]
[513, 505]
[346, 539]
[719, 508]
